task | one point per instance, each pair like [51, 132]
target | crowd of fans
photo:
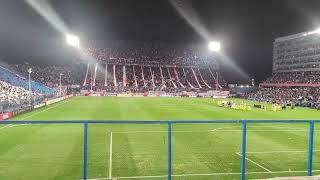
[121, 66]
[117, 78]
[144, 53]
[13, 95]
[310, 77]
[135, 66]
[156, 78]
[302, 90]
[302, 96]
[50, 75]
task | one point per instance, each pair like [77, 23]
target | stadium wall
[8, 115]
[215, 94]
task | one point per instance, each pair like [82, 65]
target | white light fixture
[73, 40]
[214, 46]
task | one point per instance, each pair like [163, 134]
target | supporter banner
[95, 94]
[110, 94]
[137, 94]
[39, 105]
[288, 85]
[23, 109]
[84, 91]
[68, 96]
[6, 115]
[219, 94]
[52, 101]
[124, 95]
[156, 93]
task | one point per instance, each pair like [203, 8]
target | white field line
[222, 129]
[255, 163]
[11, 125]
[209, 174]
[3, 127]
[46, 109]
[213, 130]
[270, 152]
[14, 125]
[110, 157]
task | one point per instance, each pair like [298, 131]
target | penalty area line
[255, 163]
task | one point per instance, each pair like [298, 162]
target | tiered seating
[298, 87]
[13, 95]
[16, 80]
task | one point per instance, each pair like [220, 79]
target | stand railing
[170, 147]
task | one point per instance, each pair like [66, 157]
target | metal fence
[169, 136]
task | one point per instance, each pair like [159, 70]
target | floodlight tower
[60, 87]
[29, 72]
[215, 46]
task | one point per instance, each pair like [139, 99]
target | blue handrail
[169, 123]
[154, 121]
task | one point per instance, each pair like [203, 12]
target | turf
[140, 151]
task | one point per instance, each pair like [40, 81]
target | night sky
[246, 28]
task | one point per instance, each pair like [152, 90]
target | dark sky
[246, 28]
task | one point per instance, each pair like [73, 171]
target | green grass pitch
[200, 151]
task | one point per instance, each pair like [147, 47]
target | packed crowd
[131, 66]
[13, 95]
[144, 53]
[50, 75]
[309, 77]
[302, 96]
[156, 78]
[16, 79]
[117, 78]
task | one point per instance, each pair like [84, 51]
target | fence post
[85, 151]
[243, 151]
[310, 153]
[169, 151]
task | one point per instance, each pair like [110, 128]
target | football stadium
[114, 109]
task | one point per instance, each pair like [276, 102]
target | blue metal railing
[169, 123]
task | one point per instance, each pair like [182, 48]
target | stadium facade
[297, 53]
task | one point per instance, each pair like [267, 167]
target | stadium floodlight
[214, 46]
[73, 40]
[317, 31]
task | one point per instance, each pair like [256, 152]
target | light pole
[215, 46]
[30, 71]
[60, 87]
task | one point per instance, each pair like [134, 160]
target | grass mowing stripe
[46, 109]
[204, 174]
[137, 155]
[268, 152]
[110, 157]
